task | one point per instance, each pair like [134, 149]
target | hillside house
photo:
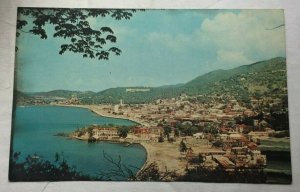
[224, 162]
[258, 134]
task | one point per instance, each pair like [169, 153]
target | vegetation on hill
[242, 82]
[265, 78]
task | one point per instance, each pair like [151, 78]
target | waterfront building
[105, 133]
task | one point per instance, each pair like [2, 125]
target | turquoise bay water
[34, 128]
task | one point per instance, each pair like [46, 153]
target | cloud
[236, 38]
[233, 58]
[244, 36]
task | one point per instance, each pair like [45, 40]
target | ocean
[34, 128]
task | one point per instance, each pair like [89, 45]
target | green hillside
[264, 78]
[244, 81]
[115, 94]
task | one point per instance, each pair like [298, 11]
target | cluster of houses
[230, 151]
[233, 151]
[232, 146]
[237, 158]
[186, 107]
[136, 134]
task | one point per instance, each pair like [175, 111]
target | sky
[159, 47]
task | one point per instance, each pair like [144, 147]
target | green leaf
[107, 29]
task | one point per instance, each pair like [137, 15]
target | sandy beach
[166, 155]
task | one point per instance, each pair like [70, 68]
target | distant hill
[257, 79]
[265, 77]
[61, 93]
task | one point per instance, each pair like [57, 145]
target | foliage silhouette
[120, 171]
[182, 147]
[123, 131]
[219, 175]
[73, 25]
[35, 168]
[167, 131]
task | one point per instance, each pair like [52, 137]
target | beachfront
[164, 149]
[166, 155]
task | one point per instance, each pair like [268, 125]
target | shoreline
[93, 109]
[97, 112]
[127, 144]
[166, 156]
[147, 158]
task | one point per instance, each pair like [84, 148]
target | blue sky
[159, 47]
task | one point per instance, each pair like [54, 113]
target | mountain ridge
[247, 80]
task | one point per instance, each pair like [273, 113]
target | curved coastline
[144, 145]
[111, 116]
[99, 113]
[92, 109]
[155, 152]
[131, 154]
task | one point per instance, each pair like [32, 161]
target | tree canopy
[73, 26]
[182, 147]
[123, 131]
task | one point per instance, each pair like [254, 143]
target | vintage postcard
[150, 95]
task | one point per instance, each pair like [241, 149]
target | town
[183, 133]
